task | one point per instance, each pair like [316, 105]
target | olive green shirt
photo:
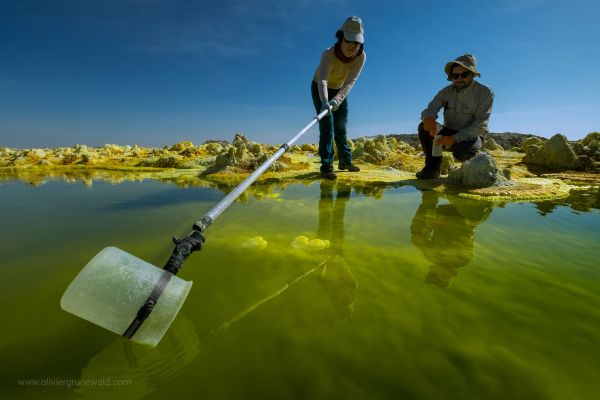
[334, 74]
[466, 111]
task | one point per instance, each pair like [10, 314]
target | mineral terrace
[533, 168]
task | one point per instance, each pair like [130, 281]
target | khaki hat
[353, 30]
[467, 61]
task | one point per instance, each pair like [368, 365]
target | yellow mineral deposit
[256, 242]
[303, 243]
[538, 168]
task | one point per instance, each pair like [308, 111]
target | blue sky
[154, 72]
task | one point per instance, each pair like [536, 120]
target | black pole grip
[183, 248]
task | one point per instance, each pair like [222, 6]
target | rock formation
[490, 144]
[554, 155]
[480, 171]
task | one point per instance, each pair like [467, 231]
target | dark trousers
[340, 120]
[462, 151]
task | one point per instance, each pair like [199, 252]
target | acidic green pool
[312, 290]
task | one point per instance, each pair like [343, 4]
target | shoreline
[384, 161]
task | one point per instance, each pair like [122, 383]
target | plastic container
[437, 149]
[112, 287]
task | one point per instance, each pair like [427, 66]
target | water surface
[418, 295]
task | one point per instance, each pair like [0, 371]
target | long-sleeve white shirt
[334, 74]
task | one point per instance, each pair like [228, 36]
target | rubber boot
[431, 169]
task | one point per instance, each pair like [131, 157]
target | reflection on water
[38, 177]
[578, 200]
[445, 232]
[141, 369]
[582, 200]
[336, 278]
[150, 368]
[330, 268]
[87, 176]
[273, 321]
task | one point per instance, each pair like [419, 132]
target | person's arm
[350, 79]
[434, 105]
[482, 116]
[323, 75]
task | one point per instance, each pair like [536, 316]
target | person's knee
[422, 131]
[463, 155]
[464, 151]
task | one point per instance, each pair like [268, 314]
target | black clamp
[203, 224]
[183, 248]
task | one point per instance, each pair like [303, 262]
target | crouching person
[467, 107]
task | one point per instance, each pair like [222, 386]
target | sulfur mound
[245, 156]
[554, 155]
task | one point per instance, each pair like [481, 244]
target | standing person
[467, 107]
[337, 72]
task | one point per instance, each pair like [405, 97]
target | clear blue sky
[155, 72]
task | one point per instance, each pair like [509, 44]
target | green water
[418, 295]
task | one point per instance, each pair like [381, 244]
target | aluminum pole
[214, 212]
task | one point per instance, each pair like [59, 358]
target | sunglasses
[462, 75]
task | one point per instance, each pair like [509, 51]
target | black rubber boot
[431, 169]
[348, 167]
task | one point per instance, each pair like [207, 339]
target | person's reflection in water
[545, 207]
[335, 276]
[444, 233]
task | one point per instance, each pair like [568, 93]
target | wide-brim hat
[467, 61]
[353, 30]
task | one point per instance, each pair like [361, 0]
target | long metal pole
[193, 242]
[214, 212]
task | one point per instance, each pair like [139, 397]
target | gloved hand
[325, 106]
[335, 104]
[430, 126]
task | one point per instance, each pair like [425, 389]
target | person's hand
[430, 126]
[326, 106]
[446, 141]
[335, 104]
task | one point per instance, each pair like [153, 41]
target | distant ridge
[507, 140]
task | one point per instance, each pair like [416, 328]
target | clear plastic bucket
[113, 286]
[437, 149]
